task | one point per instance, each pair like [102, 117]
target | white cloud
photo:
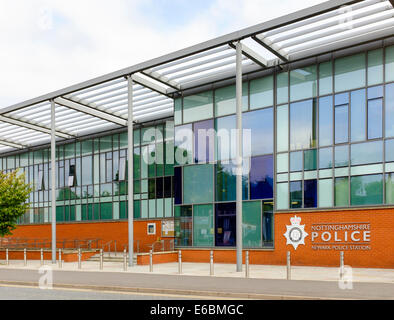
[46, 45]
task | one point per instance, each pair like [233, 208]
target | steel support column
[130, 152]
[239, 155]
[53, 179]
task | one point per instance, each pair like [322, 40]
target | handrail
[35, 243]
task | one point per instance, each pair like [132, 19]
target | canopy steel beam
[149, 84]
[32, 126]
[251, 54]
[300, 15]
[91, 111]
[164, 80]
[263, 43]
[13, 144]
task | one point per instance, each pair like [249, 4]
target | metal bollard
[341, 265]
[180, 262]
[124, 260]
[6, 257]
[288, 266]
[42, 256]
[150, 261]
[247, 264]
[60, 258]
[211, 264]
[101, 259]
[79, 259]
[25, 257]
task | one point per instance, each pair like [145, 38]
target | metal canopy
[101, 104]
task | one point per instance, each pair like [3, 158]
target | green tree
[14, 193]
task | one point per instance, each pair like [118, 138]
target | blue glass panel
[375, 92]
[390, 150]
[295, 194]
[389, 110]
[341, 124]
[296, 161]
[326, 121]
[226, 182]
[261, 177]
[375, 118]
[341, 98]
[178, 185]
[366, 153]
[203, 141]
[303, 124]
[310, 193]
[325, 158]
[358, 115]
[225, 224]
[342, 156]
[261, 124]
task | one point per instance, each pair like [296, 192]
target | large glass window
[365, 153]
[261, 177]
[325, 78]
[282, 196]
[390, 108]
[358, 115]
[341, 123]
[325, 158]
[282, 128]
[198, 184]
[389, 150]
[183, 226]
[375, 67]
[350, 72]
[310, 160]
[295, 194]
[303, 125]
[204, 141]
[183, 144]
[325, 121]
[390, 188]
[198, 107]
[251, 224]
[87, 171]
[203, 230]
[325, 193]
[226, 182]
[282, 90]
[342, 192]
[389, 64]
[225, 224]
[367, 190]
[178, 111]
[262, 92]
[310, 193]
[342, 156]
[303, 83]
[225, 100]
[375, 118]
[261, 124]
[225, 147]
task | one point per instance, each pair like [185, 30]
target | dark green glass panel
[183, 226]
[342, 192]
[72, 213]
[96, 211]
[367, 190]
[106, 211]
[198, 184]
[203, 225]
[251, 224]
[310, 160]
[59, 213]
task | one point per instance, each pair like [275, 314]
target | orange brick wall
[381, 254]
[106, 231]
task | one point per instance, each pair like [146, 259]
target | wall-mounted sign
[295, 233]
[151, 229]
[167, 228]
[341, 236]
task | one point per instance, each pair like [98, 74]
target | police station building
[278, 137]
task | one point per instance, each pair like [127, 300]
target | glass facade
[321, 136]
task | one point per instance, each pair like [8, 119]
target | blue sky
[46, 45]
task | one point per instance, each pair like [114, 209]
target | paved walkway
[222, 270]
